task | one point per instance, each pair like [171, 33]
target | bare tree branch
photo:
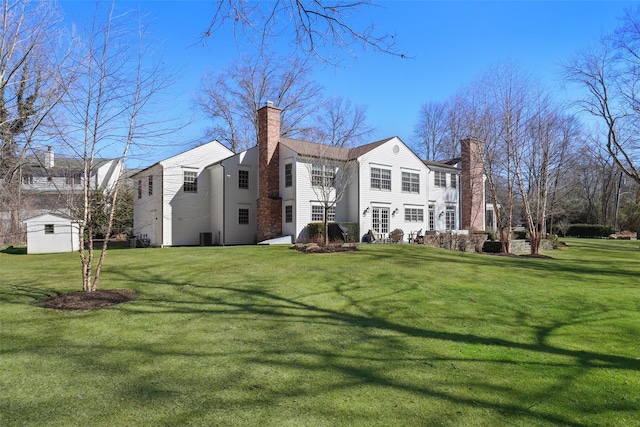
[321, 28]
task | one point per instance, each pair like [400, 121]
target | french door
[380, 219]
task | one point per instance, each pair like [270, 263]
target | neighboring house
[50, 184]
[172, 198]
[276, 189]
[52, 233]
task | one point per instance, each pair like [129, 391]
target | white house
[52, 233]
[172, 198]
[50, 184]
[281, 185]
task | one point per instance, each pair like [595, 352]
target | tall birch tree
[109, 108]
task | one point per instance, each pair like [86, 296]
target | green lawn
[391, 335]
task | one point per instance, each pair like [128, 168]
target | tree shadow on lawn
[413, 259]
[246, 303]
[12, 250]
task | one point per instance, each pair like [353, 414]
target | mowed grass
[391, 335]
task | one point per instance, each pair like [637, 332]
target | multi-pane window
[410, 182]
[331, 214]
[243, 179]
[454, 180]
[288, 214]
[440, 179]
[432, 217]
[413, 215]
[288, 175]
[381, 179]
[27, 179]
[450, 218]
[49, 229]
[190, 183]
[380, 220]
[323, 175]
[243, 216]
[139, 189]
[317, 213]
[151, 185]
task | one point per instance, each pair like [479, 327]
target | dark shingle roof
[312, 149]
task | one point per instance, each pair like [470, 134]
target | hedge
[589, 230]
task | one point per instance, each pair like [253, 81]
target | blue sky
[450, 43]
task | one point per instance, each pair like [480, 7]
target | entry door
[380, 219]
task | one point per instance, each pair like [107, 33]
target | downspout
[459, 190]
[162, 209]
[223, 239]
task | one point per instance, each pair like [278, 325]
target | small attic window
[49, 229]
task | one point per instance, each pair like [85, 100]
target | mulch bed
[89, 300]
[314, 248]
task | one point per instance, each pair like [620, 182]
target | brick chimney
[269, 209]
[472, 185]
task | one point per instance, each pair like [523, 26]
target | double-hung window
[440, 179]
[381, 179]
[454, 180]
[243, 216]
[410, 182]
[49, 229]
[139, 189]
[288, 175]
[413, 215]
[323, 175]
[243, 178]
[151, 185]
[190, 183]
[317, 213]
[288, 214]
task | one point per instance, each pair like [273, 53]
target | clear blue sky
[450, 43]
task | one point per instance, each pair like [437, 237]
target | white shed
[52, 233]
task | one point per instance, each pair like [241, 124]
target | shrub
[315, 232]
[589, 230]
[488, 235]
[520, 234]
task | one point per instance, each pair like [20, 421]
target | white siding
[441, 197]
[65, 236]
[183, 215]
[217, 178]
[236, 198]
[395, 156]
[147, 210]
[289, 194]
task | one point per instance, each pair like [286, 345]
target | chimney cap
[269, 103]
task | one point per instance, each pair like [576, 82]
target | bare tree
[108, 109]
[332, 170]
[430, 131]
[524, 140]
[322, 28]
[610, 74]
[31, 86]
[232, 97]
[340, 123]
[538, 163]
